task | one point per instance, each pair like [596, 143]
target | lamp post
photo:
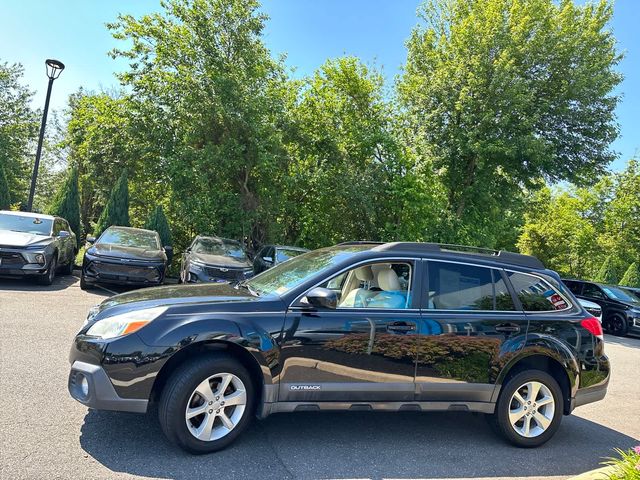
[54, 69]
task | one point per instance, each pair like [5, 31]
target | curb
[597, 474]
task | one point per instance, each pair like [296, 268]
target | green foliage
[158, 222]
[500, 94]
[116, 212]
[18, 126]
[66, 202]
[608, 272]
[631, 277]
[5, 199]
[626, 466]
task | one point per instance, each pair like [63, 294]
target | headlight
[35, 257]
[125, 323]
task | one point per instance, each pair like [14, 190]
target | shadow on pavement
[61, 282]
[350, 445]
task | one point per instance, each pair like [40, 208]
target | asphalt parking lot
[46, 434]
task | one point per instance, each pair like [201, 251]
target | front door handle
[401, 327]
[508, 328]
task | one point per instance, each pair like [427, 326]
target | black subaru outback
[357, 326]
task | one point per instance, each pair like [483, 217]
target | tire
[182, 390]
[550, 417]
[68, 268]
[48, 277]
[83, 283]
[618, 325]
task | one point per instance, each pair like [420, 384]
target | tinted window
[535, 294]
[455, 286]
[284, 254]
[592, 291]
[575, 287]
[27, 224]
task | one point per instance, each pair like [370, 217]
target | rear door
[469, 321]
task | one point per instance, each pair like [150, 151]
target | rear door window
[592, 291]
[536, 294]
[454, 286]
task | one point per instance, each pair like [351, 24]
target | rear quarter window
[536, 294]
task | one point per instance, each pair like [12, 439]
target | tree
[213, 100]
[66, 202]
[116, 212]
[631, 277]
[500, 94]
[607, 272]
[157, 221]
[18, 126]
[5, 199]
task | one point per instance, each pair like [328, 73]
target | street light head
[54, 68]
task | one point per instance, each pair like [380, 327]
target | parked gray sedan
[35, 245]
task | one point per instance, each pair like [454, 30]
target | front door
[364, 350]
[469, 327]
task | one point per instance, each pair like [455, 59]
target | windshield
[284, 254]
[26, 224]
[619, 294]
[288, 275]
[130, 238]
[218, 246]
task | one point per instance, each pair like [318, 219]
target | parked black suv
[620, 307]
[33, 245]
[125, 256]
[358, 326]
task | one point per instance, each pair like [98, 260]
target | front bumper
[100, 393]
[213, 274]
[15, 262]
[97, 270]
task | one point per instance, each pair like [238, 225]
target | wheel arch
[204, 348]
[558, 368]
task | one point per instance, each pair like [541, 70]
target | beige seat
[358, 297]
[392, 295]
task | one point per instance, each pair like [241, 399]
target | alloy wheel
[531, 409]
[216, 406]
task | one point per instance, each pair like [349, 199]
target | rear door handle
[401, 327]
[508, 328]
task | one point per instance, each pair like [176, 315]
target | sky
[307, 31]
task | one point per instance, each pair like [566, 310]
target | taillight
[593, 325]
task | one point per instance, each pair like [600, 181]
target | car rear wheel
[48, 277]
[529, 410]
[206, 404]
[68, 268]
[618, 325]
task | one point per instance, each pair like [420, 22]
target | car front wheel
[618, 325]
[529, 410]
[50, 274]
[206, 403]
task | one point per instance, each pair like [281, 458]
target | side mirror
[268, 259]
[91, 240]
[63, 234]
[321, 298]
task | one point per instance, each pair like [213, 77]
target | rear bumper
[99, 393]
[589, 395]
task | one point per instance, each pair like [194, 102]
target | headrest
[388, 281]
[364, 274]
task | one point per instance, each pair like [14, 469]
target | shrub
[607, 273]
[627, 467]
[5, 199]
[158, 221]
[116, 212]
[631, 277]
[66, 202]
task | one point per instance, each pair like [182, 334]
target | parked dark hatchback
[620, 307]
[361, 326]
[125, 256]
[33, 245]
[271, 255]
[214, 259]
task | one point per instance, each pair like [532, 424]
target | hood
[220, 260]
[121, 251]
[10, 238]
[169, 295]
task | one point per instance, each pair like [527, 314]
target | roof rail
[478, 252]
